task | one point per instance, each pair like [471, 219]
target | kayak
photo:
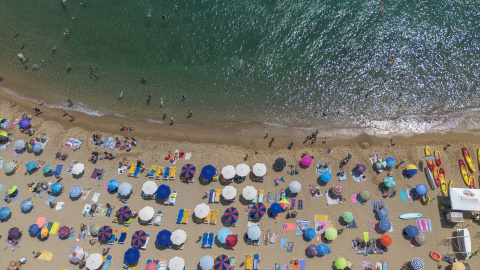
[434, 255]
[438, 160]
[472, 181]
[478, 155]
[463, 171]
[443, 182]
[468, 159]
[451, 185]
[430, 164]
[436, 176]
[410, 216]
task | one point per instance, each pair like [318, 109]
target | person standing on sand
[65, 112]
[171, 121]
[190, 113]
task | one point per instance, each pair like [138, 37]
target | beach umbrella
[385, 240]
[152, 266]
[56, 188]
[139, 238]
[31, 142]
[458, 266]
[75, 191]
[222, 234]
[231, 241]
[63, 232]
[178, 237]
[254, 232]
[347, 217]
[309, 233]
[242, 170]
[338, 189]
[37, 148]
[113, 184]
[326, 177]
[323, 249]
[146, 213]
[382, 213]
[26, 205]
[202, 210]
[412, 169]
[389, 181]
[331, 233]
[163, 191]
[176, 263]
[340, 263]
[24, 122]
[94, 261]
[421, 239]
[284, 203]
[295, 187]
[228, 172]
[360, 168]
[385, 225]
[306, 161]
[13, 233]
[259, 169]
[47, 169]
[123, 213]
[312, 250]
[94, 230]
[105, 233]
[417, 264]
[19, 145]
[208, 172]
[231, 215]
[188, 170]
[149, 188]
[206, 262]
[33, 230]
[365, 194]
[12, 190]
[222, 262]
[78, 168]
[275, 208]
[4, 213]
[43, 232]
[421, 189]
[411, 231]
[279, 164]
[163, 237]
[9, 167]
[124, 189]
[390, 162]
[258, 210]
[380, 164]
[249, 193]
[77, 254]
[229, 192]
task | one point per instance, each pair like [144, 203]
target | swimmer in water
[383, 11]
[66, 32]
[149, 13]
[161, 102]
[241, 62]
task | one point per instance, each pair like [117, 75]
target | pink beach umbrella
[306, 161]
[151, 266]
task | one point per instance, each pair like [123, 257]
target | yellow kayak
[468, 159]
[443, 182]
[463, 171]
[430, 163]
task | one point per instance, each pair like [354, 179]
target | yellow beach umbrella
[44, 232]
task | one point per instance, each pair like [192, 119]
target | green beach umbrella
[331, 234]
[347, 217]
[9, 167]
[340, 263]
[11, 190]
[47, 168]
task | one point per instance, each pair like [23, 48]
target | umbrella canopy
[249, 193]
[326, 177]
[9, 167]
[163, 191]
[231, 215]
[19, 145]
[385, 240]
[163, 237]
[222, 262]
[178, 237]
[4, 213]
[411, 231]
[63, 232]
[306, 161]
[365, 194]
[228, 172]
[13, 233]
[254, 233]
[33, 230]
[312, 250]
[258, 210]
[124, 189]
[105, 233]
[208, 172]
[176, 263]
[458, 266]
[206, 262]
[421, 239]
[347, 217]
[222, 234]
[242, 170]
[323, 249]
[309, 233]
[231, 241]
[149, 188]
[113, 184]
[123, 213]
[275, 208]
[146, 213]
[421, 189]
[331, 233]
[94, 261]
[139, 238]
[77, 254]
[380, 164]
[47, 169]
[360, 168]
[382, 213]
[26, 205]
[3, 135]
[131, 256]
[75, 192]
[389, 181]
[284, 203]
[152, 266]
[31, 143]
[56, 188]
[417, 264]
[385, 225]
[340, 263]
[259, 169]
[78, 168]
[202, 210]
[279, 164]
[390, 162]
[338, 189]
[295, 187]
[412, 169]
[24, 122]
[43, 233]
[37, 148]
[31, 165]
[229, 192]
[94, 230]
[188, 170]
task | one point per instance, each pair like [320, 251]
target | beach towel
[378, 203]
[86, 209]
[403, 195]
[58, 169]
[74, 143]
[43, 144]
[358, 177]
[95, 173]
[290, 246]
[282, 195]
[1, 187]
[289, 226]
[188, 156]
[3, 146]
[71, 236]
[86, 194]
[95, 197]
[54, 228]
[14, 199]
[103, 212]
[366, 236]
[59, 206]
[1, 164]
[305, 223]
[284, 267]
[331, 200]
[409, 192]
[352, 225]
[4, 124]
[292, 204]
[321, 217]
[69, 169]
[424, 225]
[283, 242]
[10, 243]
[51, 199]
[300, 205]
[319, 168]
[342, 178]
[354, 199]
[271, 197]
[105, 189]
[50, 225]
[41, 221]
[367, 265]
[109, 211]
[110, 143]
[322, 225]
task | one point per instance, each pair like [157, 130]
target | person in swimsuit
[149, 13]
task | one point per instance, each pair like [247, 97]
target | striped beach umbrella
[222, 262]
[9, 167]
[77, 254]
[295, 187]
[381, 164]
[139, 238]
[385, 225]
[258, 210]
[208, 172]
[284, 203]
[338, 189]
[365, 194]
[231, 215]
[412, 169]
[188, 170]
[418, 264]
[105, 233]
[123, 213]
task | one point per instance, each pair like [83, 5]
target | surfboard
[410, 216]
[430, 179]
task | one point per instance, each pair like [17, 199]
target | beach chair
[256, 261]
[171, 176]
[249, 263]
[132, 169]
[185, 216]
[215, 177]
[166, 173]
[214, 217]
[211, 196]
[159, 173]
[211, 237]
[162, 265]
[207, 219]
[158, 218]
[137, 171]
[146, 242]
[173, 198]
[256, 242]
[302, 264]
[260, 195]
[127, 223]
[205, 240]
[254, 201]
[180, 215]
[153, 169]
[123, 236]
[112, 239]
[218, 193]
[233, 261]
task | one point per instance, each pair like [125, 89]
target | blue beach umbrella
[37, 148]
[33, 230]
[418, 264]
[47, 169]
[231, 215]
[75, 192]
[208, 172]
[411, 231]
[113, 184]
[323, 249]
[382, 213]
[188, 170]
[105, 233]
[26, 206]
[163, 191]
[385, 225]
[421, 189]
[206, 262]
[275, 208]
[123, 213]
[56, 188]
[131, 256]
[222, 262]
[258, 210]
[25, 122]
[124, 189]
[222, 234]
[163, 237]
[310, 233]
[389, 181]
[4, 213]
[390, 162]
[326, 177]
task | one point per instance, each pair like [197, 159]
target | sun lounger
[215, 177]
[214, 217]
[207, 219]
[162, 265]
[166, 173]
[205, 241]
[256, 242]
[180, 215]
[173, 198]
[159, 173]
[137, 171]
[260, 195]
[171, 176]
[86, 209]
[112, 239]
[218, 193]
[58, 170]
[146, 242]
[158, 218]
[127, 223]
[185, 216]
[107, 263]
[153, 169]
[256, 261]
[254, 201]
[249, 263]
[123, 236]
[132, 169]
[211, 196]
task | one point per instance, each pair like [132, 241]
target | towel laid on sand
[358, 177]
[95, 197]
[403, 195]
[354, 199]
[377, 203]
[59, 205]
[424, 225]
[331, 200]
[283, 242]
[271, 197]
[305, 223]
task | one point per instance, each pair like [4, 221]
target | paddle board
[430, 179]
[410, 216]
[464, 242]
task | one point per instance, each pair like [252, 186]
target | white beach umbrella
[19, 145]
[228, 172]
[202, 210]
[77, 254]
[229, 192]
[178, 237]
[78, 168]
[125, 189]
[146, 213]
[254, 233]
[149, 187]
[207, 262]
[249, 193]
[295, 187]
[259, 169]
[94, 261]
[176, 263]
[242, 169]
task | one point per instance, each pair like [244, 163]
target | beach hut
[163, 191]
[231, 215]
[146, 213]
[418, 264]
[125, 189]
[309, 233]
[259, 169]
[340, 263]
[312, 250]
[229, 193]
[228, 172]
[279, 164]
[4, 213]
[254, 233]
[231, 241]
[222, 234]
[176, 263]
[385, 240]
[112, 185]
[78, 168]
[33, 230]
[26, 206]
[411, 231]
[163, 237]
[242, 170]
[94, 261]
[249, 193]
[325, 177]
[257, 211]
[77, 254]
[275, 208]
[123, 213]
[201, 210]
[323, 249]
[105, 233]
[295, 187]
[75, 192]
[63, 232]
[222, 262]
[208, 172]
[149, 187]
[139, 238]
[131, 256]
[188, 171]
[206, 262]
[306, 161]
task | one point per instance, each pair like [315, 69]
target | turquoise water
[310, 57]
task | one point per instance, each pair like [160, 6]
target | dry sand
[221, 146]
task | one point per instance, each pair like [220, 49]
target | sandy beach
[221, 146]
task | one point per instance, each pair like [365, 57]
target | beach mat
[86, 194]
[289, 227]
[367, 265]
[330, 200]
[59, 206]
[95, 197]
[41, 221]
[283, 242]
[378, 203]
[322, 224]
[105, 189]
[354, 199]
[357, 177]
[403, 195]
[54, 228]
[43, 144]
[51, 199]
[50, 225]
[305, 223]
[351, 225]
[290, 246]
[424, 225]
[321, 217]
[58, 170]
[10, 243]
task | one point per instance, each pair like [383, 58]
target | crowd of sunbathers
[61, 156]
[315, 191]
[38, 187]
[41, 138]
